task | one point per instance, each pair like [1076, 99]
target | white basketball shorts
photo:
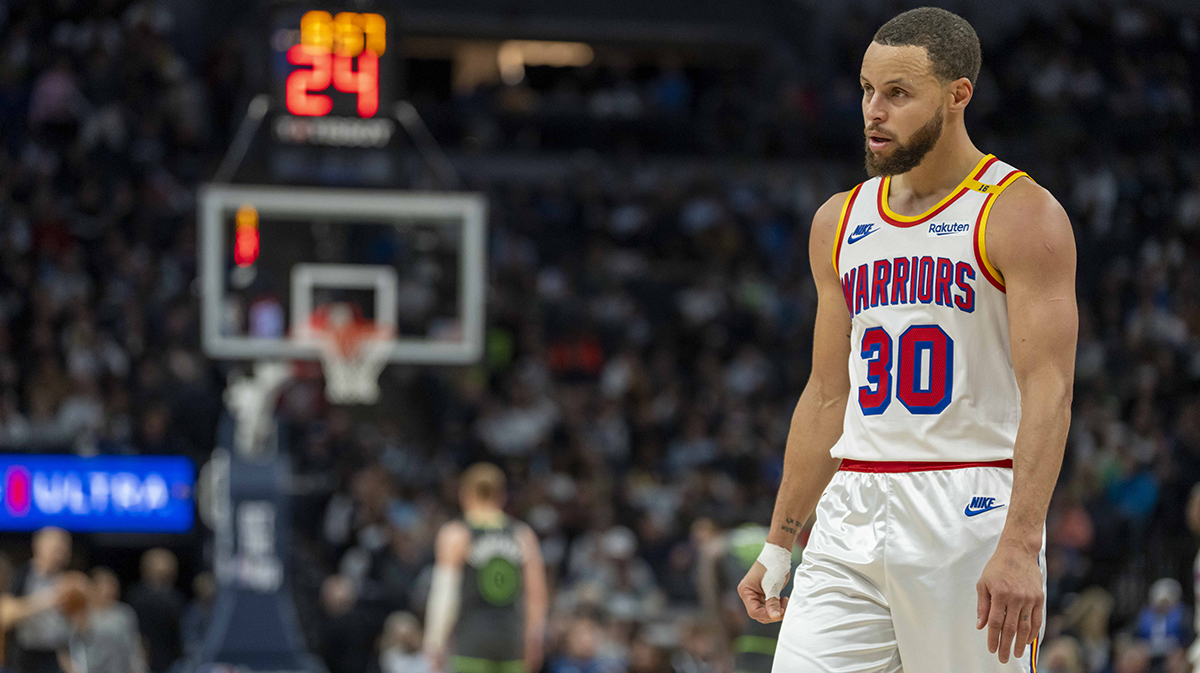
[888, 578]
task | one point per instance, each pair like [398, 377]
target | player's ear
[960, 92]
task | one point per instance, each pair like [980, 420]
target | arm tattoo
[790, 525]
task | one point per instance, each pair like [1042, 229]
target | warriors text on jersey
[930, 368]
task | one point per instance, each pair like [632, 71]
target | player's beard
[907, 156]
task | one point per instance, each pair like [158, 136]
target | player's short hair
[950, 42]
[485, 481]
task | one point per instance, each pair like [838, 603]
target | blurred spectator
[159, 607]
[360, 518]
[105, 637]
[581, 649]
[56, 98]
[1131, 657]
[347, 634]
[647, 657]
[1193, 523]
[40, 636]
[1164, 625]
[400, 645]
[1087, 617]
[398, 568]
[518, 428]
[623, 579]
[700, 651]
[198, 613]
[1061, 655]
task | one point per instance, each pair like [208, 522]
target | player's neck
[484, 516]
[943, 169]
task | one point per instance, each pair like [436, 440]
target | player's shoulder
[823, 236]
[1025, 211]
[828, 218]
[830, 212]
[1026, 201]
[454, 531]
[524, 532]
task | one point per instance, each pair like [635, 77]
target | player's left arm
[1030, 241]
[536, 597]
[441, 609]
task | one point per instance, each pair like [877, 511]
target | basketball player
[39, 633]
[946, 281]
[489, 585]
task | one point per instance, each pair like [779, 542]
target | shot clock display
[331, 74]
[342, 50]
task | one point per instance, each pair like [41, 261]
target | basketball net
[353, 352]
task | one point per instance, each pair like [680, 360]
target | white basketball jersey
[930, 368]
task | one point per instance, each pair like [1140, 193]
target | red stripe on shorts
[850, 465]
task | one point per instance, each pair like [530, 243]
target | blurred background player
[14, 610]
[488, 599]
[41, 634]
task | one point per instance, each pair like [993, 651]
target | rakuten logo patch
[937, 229]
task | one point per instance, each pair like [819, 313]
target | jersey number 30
[924, 370]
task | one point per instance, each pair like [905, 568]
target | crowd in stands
[57, 618]
[649, 331]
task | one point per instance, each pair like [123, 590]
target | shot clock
[331, 72]
[341, 50]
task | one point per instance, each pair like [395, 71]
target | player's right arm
[441, 610]
[817, 419]
[16, 609]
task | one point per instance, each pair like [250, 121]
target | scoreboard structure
[333, 75]
[341, 50]
[318, 241]
[414, 262]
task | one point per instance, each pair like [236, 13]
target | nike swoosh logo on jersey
[976, 512]
[861, 232]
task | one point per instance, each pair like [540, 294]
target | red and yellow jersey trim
[841, 230]
[990, 271]
[963, 187]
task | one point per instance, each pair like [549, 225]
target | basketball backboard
[411, 263]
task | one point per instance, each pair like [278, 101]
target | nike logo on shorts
[979, 505]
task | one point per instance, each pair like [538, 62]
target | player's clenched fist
[760, 587]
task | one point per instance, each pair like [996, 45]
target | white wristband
[778, 562]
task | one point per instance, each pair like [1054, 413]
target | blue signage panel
[110, 494]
